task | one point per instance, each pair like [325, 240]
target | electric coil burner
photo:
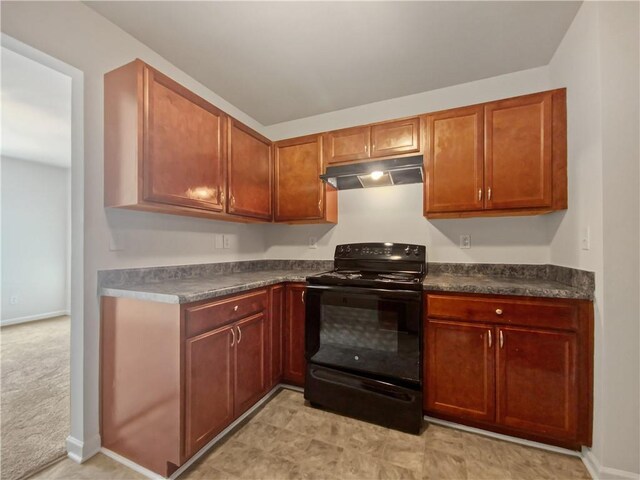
[363, 340]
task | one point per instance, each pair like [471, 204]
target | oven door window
[370, 333]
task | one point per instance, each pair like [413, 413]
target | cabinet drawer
[205, 317]
[509, 311]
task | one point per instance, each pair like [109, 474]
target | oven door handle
[379, 292]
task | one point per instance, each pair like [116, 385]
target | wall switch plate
[226, 241]
[116, 241]
[313, 242]
[465, 241]
[586, 239]
[13, 300]
[219, 241]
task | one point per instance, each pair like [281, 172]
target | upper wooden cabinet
[386, 139]
[165, 147]
[507, 157]
[249, 172]
[300, 195]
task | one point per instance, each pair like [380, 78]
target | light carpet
[34, 361]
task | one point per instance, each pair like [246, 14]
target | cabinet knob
[499, 311]
[235, 309]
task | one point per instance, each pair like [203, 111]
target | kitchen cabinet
[249, 173]
[165, 146]
[516, 365]
[300, 195]
[175, 376]
[294, 362]
[454, 160]
[277, 311]
[506, 157]
[394, 138]
[460, 371]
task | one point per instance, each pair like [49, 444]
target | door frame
[78, 448]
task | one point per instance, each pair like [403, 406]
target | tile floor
[290, 440]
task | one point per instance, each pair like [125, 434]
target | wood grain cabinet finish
[347, 145]
[460, 369]
[209, 389]
[277, 311]
[507, 157]
[249, 173]
[165, 147]
[386, 139]
[175, 376]
[294, 361]
[454, 160]
[300, 195]
[510, 370]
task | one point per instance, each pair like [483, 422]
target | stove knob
[416, 251]
[341, 249]
[407, 251]
[348, 249]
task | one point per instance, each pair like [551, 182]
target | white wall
[395, 213]
[35, 223]
[95, 46]
[598, 63]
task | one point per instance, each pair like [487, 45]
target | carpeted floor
[34, 361]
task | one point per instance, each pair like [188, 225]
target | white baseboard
[499, 436]
[33, 318]
[132, 465]
[79, 451]
[600, 472]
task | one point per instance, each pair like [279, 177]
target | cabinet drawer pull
[366, 147]
[235, 309]
[232, 199]
[479, 194]
[489, 194]
[490, 339]
[498, 311]
[233, 337]
[320, 205]
[239, 335]
[303, 292]
[501, 339]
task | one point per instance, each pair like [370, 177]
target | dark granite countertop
[191, 283]
[187, 290]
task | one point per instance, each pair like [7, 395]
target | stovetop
[376, 265]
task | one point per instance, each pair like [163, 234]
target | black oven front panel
[363, 330]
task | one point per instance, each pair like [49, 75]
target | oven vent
[381, 173]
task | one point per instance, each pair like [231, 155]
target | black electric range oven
[363, 340]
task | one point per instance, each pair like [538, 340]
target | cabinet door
[347, 145]
[394, 138]
[277, 320]
[294, 361]
[454, 161]
[536, 381]
[209, 367]
[183, 146]
[518, 152]
[251, 361]
[249, 172]
[299, 193]
[460, 369]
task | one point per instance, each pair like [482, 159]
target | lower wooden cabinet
[277, 311]
[175, 376]
[515, 365]
[294, 361]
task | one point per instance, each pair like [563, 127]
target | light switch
[586, 239]
[226, 241]
[219, 241]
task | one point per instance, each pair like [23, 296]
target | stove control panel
[381, 251]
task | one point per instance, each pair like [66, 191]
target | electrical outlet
[219, 241]
[226, 241]
[586, 239]
[465, 241]
[313, 242]
[13, 300]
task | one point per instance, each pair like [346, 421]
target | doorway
[41, 256]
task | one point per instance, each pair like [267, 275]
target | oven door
[365, 331]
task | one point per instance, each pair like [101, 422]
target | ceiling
[280, 61]
[36, 111]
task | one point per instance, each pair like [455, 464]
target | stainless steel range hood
[396, 171]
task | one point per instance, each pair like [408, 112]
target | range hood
[381, 173]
